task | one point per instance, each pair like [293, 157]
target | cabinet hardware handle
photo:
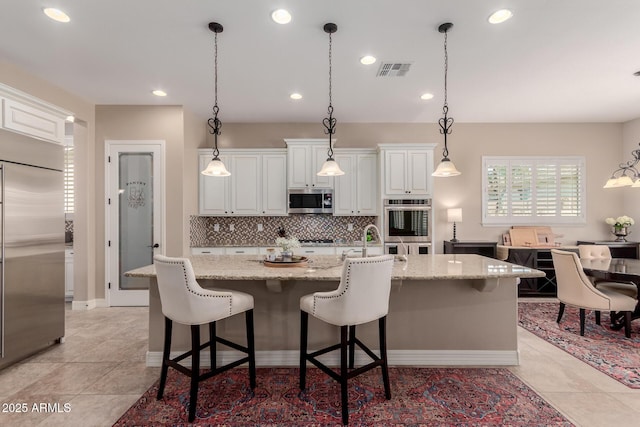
[154, 246]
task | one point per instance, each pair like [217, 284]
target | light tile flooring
[100, 372]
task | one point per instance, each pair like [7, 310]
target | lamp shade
[636, 184]
[216, 168]
[446, 168]
[330, 168]
[454, 215]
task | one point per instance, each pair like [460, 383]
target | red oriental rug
[420, 397]
[605, 349]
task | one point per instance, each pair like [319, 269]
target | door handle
[154, 246]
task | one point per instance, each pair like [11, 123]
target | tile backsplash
[245, 228]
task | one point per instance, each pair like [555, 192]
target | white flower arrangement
[288, 243]
[620, 222]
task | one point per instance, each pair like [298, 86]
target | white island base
[443, 310]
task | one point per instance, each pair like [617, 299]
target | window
[533, 190]
[68, 180]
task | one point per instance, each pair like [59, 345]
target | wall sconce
[454, 215]
[626, 175]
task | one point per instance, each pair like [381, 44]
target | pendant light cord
[330, 122]
[214, 123]
[445, 122]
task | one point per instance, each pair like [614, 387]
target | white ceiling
[554, 61]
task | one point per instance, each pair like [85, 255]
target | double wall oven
[407, 226]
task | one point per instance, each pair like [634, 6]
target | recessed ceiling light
[368, 60]
[159, 92]
[70, 119]
[295, 96]
[499, 16]
[56, 14]
[281, 16]
[426, 96]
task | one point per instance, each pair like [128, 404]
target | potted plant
[620, 226]
[287, 245]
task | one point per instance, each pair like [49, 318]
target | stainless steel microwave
[311, 200]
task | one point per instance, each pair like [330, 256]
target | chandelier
[627, 174]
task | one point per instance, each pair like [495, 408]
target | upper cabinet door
[395, 174]
[344, 195]
[246, 188]
[298, 158]
[318, 157]
[419, 172]
[274, 184]
[367, 184]
[214, 190]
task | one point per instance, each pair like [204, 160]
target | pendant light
[215, 166]
[446, 167]
[627, 174]
[330, 166]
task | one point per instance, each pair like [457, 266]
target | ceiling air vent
[393, 69]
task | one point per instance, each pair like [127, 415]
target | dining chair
[361, 297]
[184, 301]
[575, 289]
[603, 252]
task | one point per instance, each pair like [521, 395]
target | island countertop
[329, 267]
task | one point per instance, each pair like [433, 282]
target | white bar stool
[184, 301]
[361, 297]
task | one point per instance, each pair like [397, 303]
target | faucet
[364, 238]
[345, 254]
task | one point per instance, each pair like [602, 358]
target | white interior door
[134, 217]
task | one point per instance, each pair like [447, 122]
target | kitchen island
[443, 309]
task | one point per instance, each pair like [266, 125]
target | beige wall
[142, 123]
[600, 143]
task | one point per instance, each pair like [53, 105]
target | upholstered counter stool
[184, 301]
[361, 297]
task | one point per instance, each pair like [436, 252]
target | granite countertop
[329, 267]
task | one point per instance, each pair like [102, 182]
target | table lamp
[454, 215]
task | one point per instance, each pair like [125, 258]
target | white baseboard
[396, 358]
[88, 305]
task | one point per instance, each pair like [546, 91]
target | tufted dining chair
[604, 253]
[575, 289]
[361, 297]
[184, 301]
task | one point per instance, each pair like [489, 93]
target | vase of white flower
[287, 245]
[620, 227]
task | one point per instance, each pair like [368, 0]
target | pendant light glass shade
[446, 168]
[216, 168]
[627, 174]
[330, 168]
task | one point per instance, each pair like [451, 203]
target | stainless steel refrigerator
[32, 255]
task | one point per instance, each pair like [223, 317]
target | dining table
[617, 270]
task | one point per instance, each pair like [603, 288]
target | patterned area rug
[601, 347]
[420, 396]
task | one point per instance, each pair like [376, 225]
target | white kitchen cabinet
[315, 250]
[25, 114]
[304, 159]
[356, 192]
[257, 185]
[208, 251]
[407, 169]
[68, 274]
[274, 184]
[241, 250]
[214, 198]
[246, 185]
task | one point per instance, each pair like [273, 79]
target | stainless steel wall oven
[407, 220]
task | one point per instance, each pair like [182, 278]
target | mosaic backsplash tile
[301, 226]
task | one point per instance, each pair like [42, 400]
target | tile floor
[100, 372]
